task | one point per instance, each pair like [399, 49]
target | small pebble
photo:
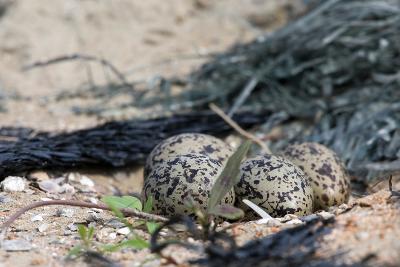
[342, 208]
[294, 222]
[43, 227]
[86, 181]
[93, 200]
[16, 245]
[288, 217]
[50, 186]
[71, 177]
[94, 217]
[37, 218]
[67, 232]
[13, 184]
[4, 198]
[362, 235]
[123, 231]
[65, 213]
[114, 223]
[72, 227]
[269, 222]
[112, 236]
[325, 215]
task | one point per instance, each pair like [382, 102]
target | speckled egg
[177, 177]
[275, 184]
[329, 179]
[188, 143]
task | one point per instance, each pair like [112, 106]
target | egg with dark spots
[327, 174]
[187, 143]
[276, 185]
[179, 177]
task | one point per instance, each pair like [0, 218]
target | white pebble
[37, 218]
[112, 236]
[50, 186]
[269, 222]
[65, 213]
[13, 184]
[72, 227]
[86, 181]
[16, 245]
[123, 231]
[43, 227]
[294, 222]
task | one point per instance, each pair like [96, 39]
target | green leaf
[123, 202]
[90, 233]
[75, 251]
[82, 231]
[227, 211]
[152, 226]
[229, 176]
[135, 243]
[148, 205]
[116, 211]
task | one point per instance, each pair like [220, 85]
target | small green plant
[116, 203]
[86, 234]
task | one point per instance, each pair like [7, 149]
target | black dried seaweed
[113, 144]
[291, 247]
[335, 70]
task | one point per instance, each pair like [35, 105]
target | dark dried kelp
[113, 144]
[336, 69]
[292, 247]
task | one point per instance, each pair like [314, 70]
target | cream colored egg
[176, 178]
[275, 184]
[188, 143]
[327, 175]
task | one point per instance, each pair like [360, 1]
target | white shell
[188, 143]
[176, 178]
[276, 185]
[329, 179]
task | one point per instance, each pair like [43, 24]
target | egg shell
[328, 176]
[275, 184]
[187, 143]
[175, 179]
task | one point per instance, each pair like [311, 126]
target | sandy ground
[135, 36]
[142, 39]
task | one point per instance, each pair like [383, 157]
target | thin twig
[239, 129]
[243, 96]
[79, 57]
[125, 211]
[167, 61]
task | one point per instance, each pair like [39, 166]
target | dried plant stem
[83, 57]
[126, 212]
[239, 129]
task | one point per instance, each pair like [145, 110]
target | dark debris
[114, 144]
[335, 71]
